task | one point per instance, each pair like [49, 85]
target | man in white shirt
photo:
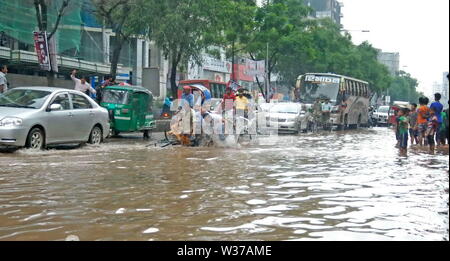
[81, 84]
[326, 112]
[3, 81]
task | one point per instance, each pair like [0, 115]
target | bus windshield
[310, 91]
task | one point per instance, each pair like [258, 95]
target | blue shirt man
[438, 107]
[187, 97]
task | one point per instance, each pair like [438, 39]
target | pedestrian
[317, 111]
[423, 113]
[413, 127]
[228, 100]
[438, 108]
[432, 127]
[447, 124]
[109, 81]
[242, 105]
[82, 85]
[3, 81]
[326, 112]
[397, 126]
[403, 126]
[443, 130]
[187, 99]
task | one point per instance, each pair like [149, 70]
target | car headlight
[291, 120]
[10, 122]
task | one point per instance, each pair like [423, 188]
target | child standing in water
[433, 124]
[403, 130]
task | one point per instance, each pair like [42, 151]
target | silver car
[287, 117]
[35, 117]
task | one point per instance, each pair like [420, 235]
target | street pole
[267, 82]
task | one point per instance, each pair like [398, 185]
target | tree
[44, 24]
[404, 88]
[183, 29]
[322, 47]
[238, 21]
[124, 17]
[277, 21]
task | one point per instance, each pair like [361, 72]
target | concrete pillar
[137, 68]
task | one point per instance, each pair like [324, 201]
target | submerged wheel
[96, 136]
[147, 135]
[36, 139]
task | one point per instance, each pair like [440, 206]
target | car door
[59, 124]
[83, 118]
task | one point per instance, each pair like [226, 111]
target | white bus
[350, 97]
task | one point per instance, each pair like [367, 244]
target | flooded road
[333, 186]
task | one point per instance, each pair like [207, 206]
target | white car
[35, 117]
[381, 115]
[287, 117]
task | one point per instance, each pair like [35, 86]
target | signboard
[388, 99]
[41, 47]
[322, 79]
[255, 68]
[215, 65]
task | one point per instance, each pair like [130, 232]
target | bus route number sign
[321, 79]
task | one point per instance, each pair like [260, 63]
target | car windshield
[115, 96]
[311, 89]
[383, 109]
[285, 108]
[21, 98]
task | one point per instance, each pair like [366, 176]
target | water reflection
[336, 186]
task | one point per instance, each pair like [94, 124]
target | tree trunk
[173, 80]
[116, 56]
[51, 79]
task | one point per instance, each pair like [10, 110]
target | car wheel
[96, 136]
[36, 139]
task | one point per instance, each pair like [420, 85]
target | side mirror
[55, 107]
[302, 112]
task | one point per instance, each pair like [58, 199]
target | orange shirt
[422, 111]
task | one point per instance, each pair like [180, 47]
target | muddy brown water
[329, 186]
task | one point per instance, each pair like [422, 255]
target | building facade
[391, 60]
[83, 43]
[326, 9]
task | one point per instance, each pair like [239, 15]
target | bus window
[358, 89]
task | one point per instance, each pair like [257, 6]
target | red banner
[41, 47]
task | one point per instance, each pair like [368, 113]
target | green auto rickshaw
[130, 109]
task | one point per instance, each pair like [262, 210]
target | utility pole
[267, 81]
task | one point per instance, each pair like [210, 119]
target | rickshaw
[199, 126]
[130, 109]
[186, 125]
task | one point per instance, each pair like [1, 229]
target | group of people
[424, 125]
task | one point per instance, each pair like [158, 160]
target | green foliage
[323, 48]
[404, 88]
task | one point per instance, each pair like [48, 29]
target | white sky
[417, 29]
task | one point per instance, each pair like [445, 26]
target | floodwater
[329, 186]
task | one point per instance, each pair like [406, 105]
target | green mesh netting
[18, 20]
